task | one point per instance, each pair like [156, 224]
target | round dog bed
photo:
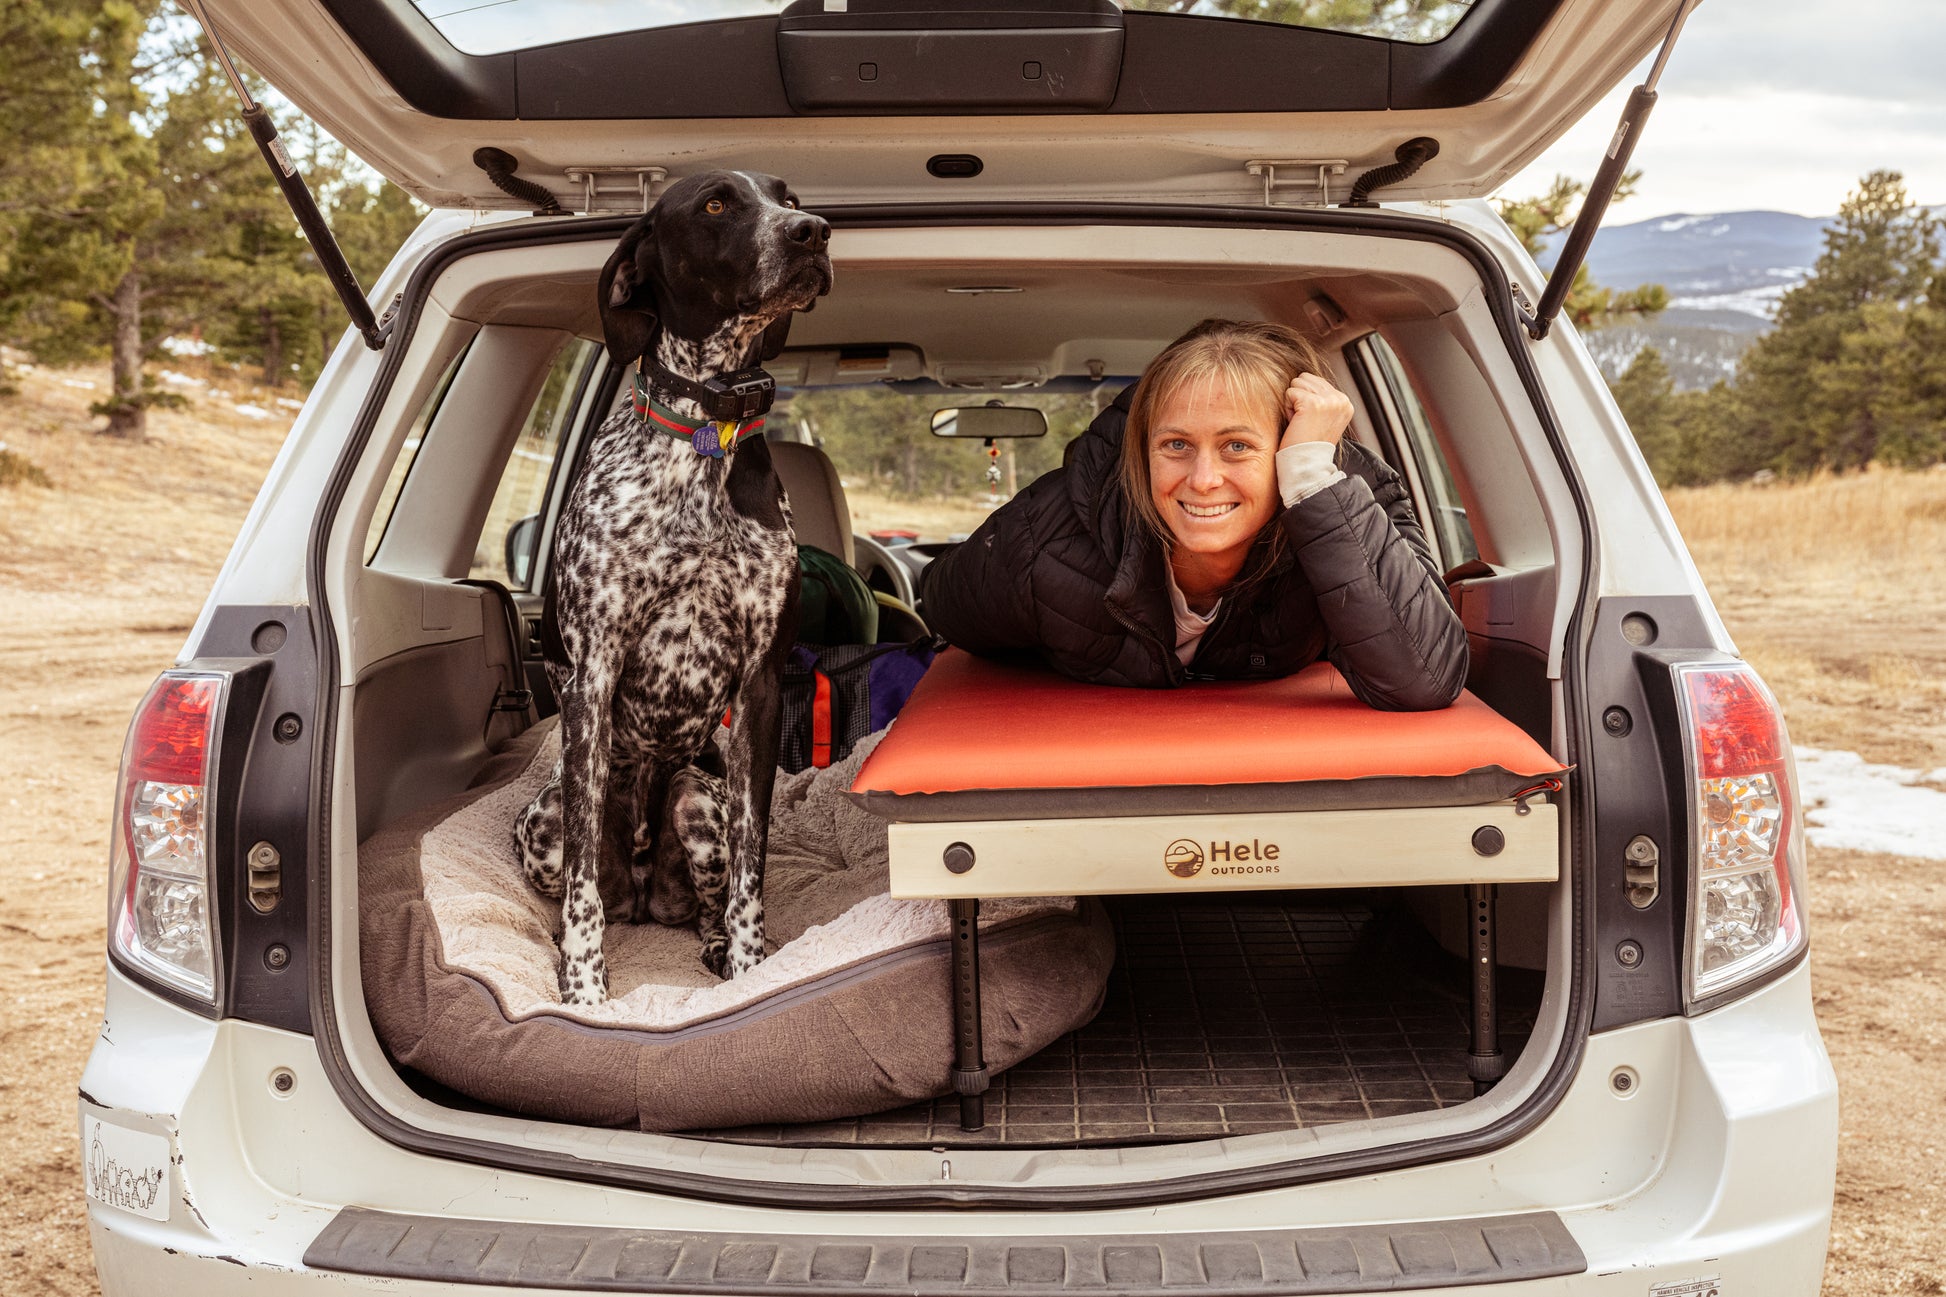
[849, 1014]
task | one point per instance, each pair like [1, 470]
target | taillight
[160, 892]
[1746, 886]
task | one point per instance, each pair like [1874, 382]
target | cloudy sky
[1779, 104]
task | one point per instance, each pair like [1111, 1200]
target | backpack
[834, 696]
[834, 604]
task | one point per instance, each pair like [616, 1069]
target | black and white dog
[675, 586]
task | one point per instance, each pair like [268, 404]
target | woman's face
[1213, 469]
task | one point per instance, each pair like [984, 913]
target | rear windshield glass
[497, 26]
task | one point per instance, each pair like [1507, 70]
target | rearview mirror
[989, 422]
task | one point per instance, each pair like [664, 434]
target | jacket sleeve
[979, 594]
[1393, 631]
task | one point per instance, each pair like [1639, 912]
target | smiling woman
[1213, 523]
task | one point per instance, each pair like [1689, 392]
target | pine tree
[46, 121]
[1646, 394]
[179, 227]
[1588, 305]
[1835, 382]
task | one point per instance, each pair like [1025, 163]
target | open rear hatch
[950, 101]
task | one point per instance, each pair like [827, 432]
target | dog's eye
[790, 202]
[714, 207]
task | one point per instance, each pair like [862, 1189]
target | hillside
[1724, 272]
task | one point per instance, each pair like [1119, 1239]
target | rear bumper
[1717, 1163]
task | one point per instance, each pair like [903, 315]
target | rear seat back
[818, 509]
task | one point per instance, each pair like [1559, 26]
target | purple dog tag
[707, 441]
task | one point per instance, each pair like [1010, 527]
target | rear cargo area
[1225, 1015]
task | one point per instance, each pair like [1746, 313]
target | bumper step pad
[1228, 1015]
[1359, 1259]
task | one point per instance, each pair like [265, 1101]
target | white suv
[1025, 197]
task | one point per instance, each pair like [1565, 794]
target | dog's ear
[775, 336]
[626, 293]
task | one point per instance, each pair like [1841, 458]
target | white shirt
[1303, 469]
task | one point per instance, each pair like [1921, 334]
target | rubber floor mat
[1228, 1015]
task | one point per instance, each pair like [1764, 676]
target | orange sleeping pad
[980, 739]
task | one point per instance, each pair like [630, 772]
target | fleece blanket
[825, 906]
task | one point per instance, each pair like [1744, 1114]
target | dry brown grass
[1884, 527]
[933, 519]
[1835, 589]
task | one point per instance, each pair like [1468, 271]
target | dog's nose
[812, 231]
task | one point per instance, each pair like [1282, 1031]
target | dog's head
[721, 248]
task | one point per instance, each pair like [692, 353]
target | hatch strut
[303, 206]
[1602, 190]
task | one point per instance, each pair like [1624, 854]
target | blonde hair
[1254, 359]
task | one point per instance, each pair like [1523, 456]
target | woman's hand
[1315, 411]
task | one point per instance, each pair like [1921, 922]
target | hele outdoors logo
[1183, 858]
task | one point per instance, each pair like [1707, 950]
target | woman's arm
[1394, 633]
[979, 594]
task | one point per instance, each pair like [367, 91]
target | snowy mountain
[1731, 264]
[1724, 272]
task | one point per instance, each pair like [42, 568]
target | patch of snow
[1760, 302]
[181, 380]
[289, 404]
[185, 346]
[1675, 223]
[1856, 805]
[85, 384]
[251, 411]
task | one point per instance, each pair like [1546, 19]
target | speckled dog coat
[675, 596]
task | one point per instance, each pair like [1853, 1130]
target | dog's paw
[584, 985]
[742, 958]
[716, 957]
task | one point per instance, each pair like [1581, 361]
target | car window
[1424, 463]
[402, 463]
[905, 485]
[499, 26]
[511, 535]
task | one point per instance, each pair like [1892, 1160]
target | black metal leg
[969, 1062]
[1484, 1061]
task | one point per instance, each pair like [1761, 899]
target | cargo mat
[1228, 1014]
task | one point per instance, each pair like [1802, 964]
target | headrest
[818, 510]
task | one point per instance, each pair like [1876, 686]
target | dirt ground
[102, 572]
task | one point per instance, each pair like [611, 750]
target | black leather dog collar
[727, 398]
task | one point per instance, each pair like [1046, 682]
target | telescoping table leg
[969, 1061]
[1484, 1061]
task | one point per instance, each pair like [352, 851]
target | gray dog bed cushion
[849, 1014]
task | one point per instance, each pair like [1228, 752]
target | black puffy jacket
[1068, 571]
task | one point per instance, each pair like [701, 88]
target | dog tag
[708, 440]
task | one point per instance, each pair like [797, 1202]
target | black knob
[1489, 840]
[958, 858]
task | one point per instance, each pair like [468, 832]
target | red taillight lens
[160, 894]
[1747, 910]
[1737, 725]
[171, 735]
